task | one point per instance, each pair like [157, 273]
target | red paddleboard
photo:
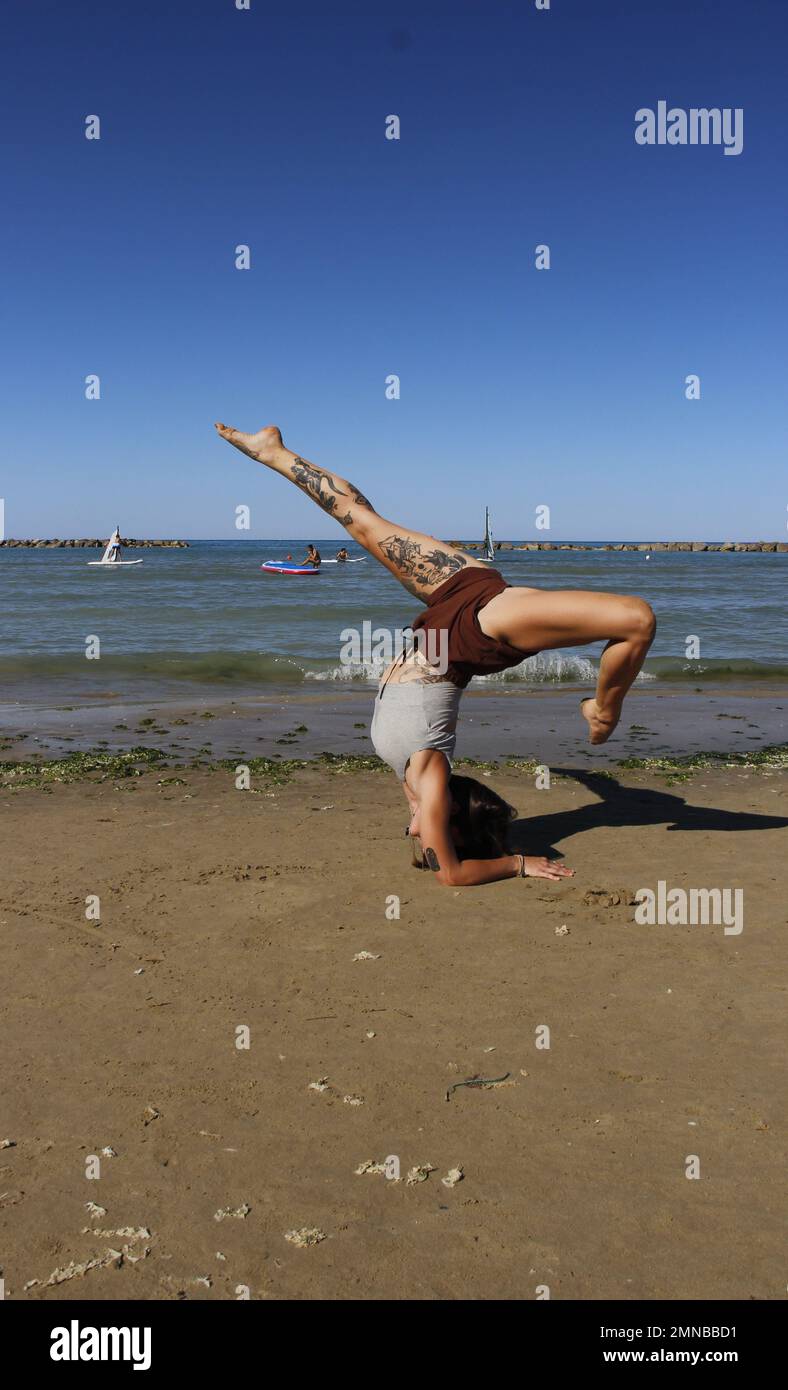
[283, 567]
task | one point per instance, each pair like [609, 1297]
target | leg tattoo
[425, 568]
[311, 479]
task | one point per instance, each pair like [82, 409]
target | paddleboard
[286, 567]
[114, 564]
[357, 560]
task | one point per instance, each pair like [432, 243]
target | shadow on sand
[620, 805]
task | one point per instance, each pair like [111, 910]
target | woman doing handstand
[475, 623]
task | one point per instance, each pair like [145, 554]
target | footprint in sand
[608, 897]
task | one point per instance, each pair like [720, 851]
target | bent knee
[642, 620]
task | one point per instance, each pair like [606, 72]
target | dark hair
[480, 819]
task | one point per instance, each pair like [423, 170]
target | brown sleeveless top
[452, 614]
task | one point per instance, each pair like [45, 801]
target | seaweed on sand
[80, 767]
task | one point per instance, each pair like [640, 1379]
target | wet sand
[222, 910]
[541, 724]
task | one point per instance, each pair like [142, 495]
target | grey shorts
[413, 715]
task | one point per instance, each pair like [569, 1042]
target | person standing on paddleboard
[486, 625]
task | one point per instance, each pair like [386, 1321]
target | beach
[270, 910]
[239, 1028]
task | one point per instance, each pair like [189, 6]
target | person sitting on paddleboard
[484, 625]
[312, 557]
[342, 554]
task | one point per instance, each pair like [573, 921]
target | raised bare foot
[600, 724]
[263, 446]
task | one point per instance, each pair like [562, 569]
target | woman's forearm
[470, 872]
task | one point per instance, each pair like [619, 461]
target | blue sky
[370, 257]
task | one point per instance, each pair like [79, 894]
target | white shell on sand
[453, 1176]
[419, 1174]
[125, 1233]
[240, 1212]
[308, 1235]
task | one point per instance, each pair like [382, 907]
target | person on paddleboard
[313, 557]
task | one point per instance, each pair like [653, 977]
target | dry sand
[248, 909]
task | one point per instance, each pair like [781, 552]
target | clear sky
[372, 257]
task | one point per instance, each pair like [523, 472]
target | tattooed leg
[322, 487]
[425, 566]
[419, 561]
[339, 498]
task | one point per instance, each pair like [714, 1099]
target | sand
[222, 910]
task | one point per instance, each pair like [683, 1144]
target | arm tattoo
[432, 860]
[359, 498]
[416, 667]
[425, 568]
[311, 479]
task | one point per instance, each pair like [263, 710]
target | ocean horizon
[337, 542]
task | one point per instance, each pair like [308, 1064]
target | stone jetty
[647, 546]
[780, 547]
[91, 544]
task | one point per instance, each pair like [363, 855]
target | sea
[208, 620]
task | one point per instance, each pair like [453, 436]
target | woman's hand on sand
[263, 446]
[536, 867]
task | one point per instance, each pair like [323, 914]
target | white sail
[111, 560]
[112, 553]
[489, 543]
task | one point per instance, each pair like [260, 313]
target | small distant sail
[489, 543]
[111, 560]
[112, 553]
